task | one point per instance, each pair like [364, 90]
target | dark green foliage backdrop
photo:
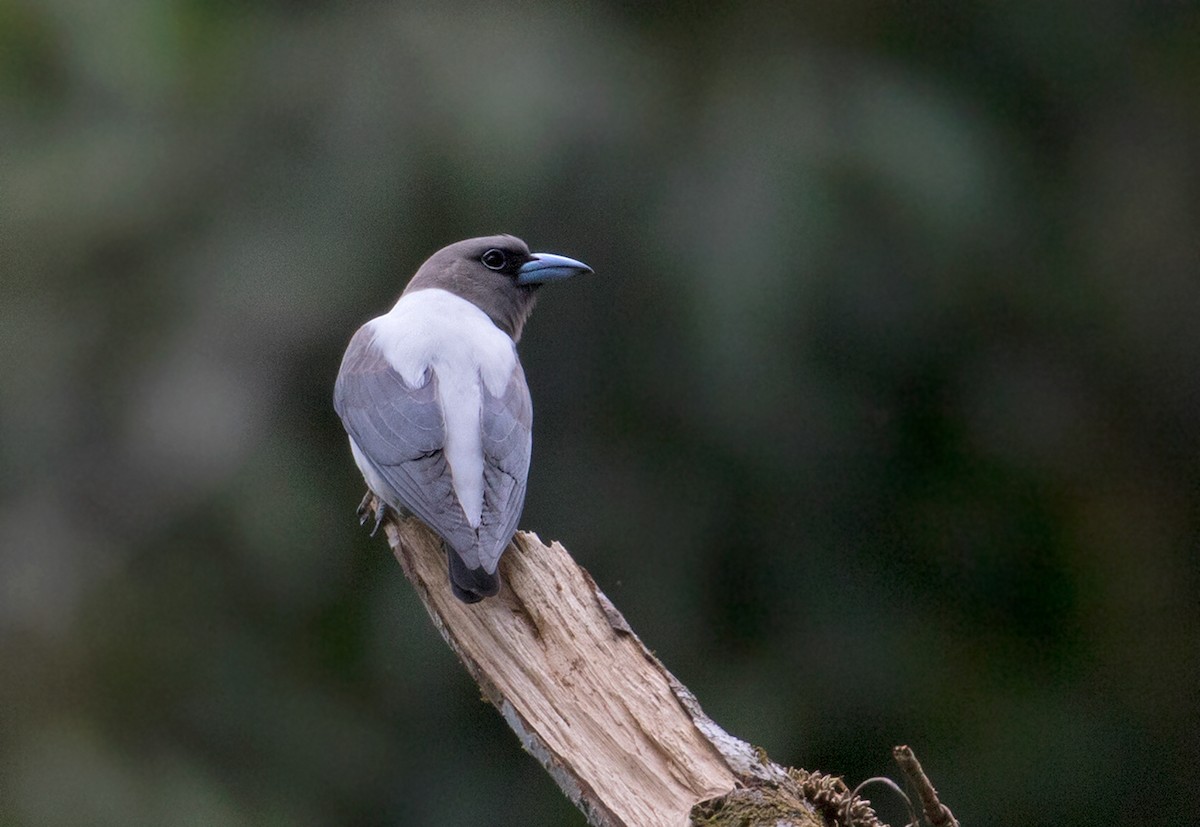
[880, 418]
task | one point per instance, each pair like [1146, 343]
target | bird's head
[498, 274]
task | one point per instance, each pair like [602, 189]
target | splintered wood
[623, 739]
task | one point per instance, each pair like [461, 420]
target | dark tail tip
[470, 585]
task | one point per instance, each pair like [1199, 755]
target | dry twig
[625, 740]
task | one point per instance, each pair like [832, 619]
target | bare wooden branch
[577, 686]
[939, 814]
[625, 740]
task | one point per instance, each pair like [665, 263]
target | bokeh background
[880, 418]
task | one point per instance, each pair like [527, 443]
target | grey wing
[399, 431]
[506, 426]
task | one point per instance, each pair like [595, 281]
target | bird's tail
[470, 585]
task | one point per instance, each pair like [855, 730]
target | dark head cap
[497, 274]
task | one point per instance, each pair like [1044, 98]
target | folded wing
[400, 431]
[506, 425]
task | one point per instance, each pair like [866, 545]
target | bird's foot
[365, 507]
[372, 503]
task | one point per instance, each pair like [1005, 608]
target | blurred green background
[880, 418]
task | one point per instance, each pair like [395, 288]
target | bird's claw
[372, 503]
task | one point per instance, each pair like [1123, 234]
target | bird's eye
[494, 259]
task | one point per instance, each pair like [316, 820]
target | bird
[434, 401]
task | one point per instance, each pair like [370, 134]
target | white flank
[435, 328]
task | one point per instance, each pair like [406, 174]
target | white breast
[435, 328]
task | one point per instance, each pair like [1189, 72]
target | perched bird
[435, 403]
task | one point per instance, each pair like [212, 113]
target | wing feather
[399, 430]
[506, 426]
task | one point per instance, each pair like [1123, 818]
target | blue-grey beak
[546, 267]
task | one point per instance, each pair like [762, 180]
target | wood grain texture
[621, 736]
